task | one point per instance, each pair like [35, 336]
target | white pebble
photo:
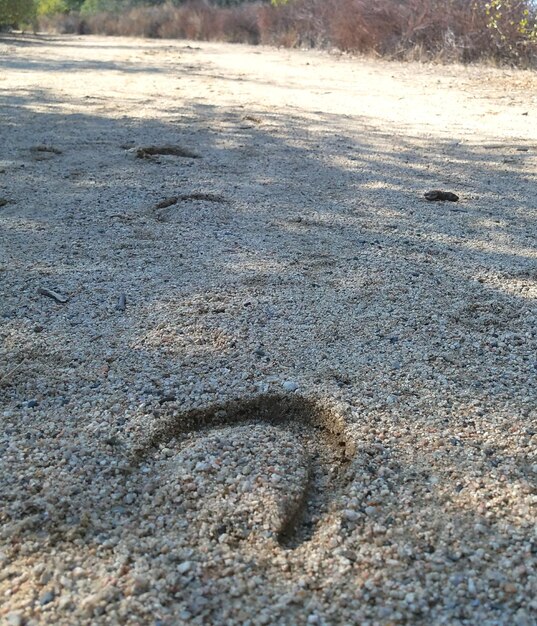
[350, 515]
[290, 386]
[184, 567]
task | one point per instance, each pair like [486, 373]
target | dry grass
[442, 30]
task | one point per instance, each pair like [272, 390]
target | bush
[52, 7]
[442, 30]
[512, 26]
[15, 12]
[92, 7]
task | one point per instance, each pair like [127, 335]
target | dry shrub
[442, 30]
[304, 23]
[141, 22]
[241, 24]
[193, 20]
[395, 28]
[103, 23]
[63, 24]
[198, 20]
[387, 27]
[359, 26]
[276, 27]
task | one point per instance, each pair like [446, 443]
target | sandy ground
[280, 386]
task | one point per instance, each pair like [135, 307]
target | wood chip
[436, 195]
[122, 216]
[150, 151]
[52, 294]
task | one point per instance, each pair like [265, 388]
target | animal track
[146, 152]
[323, 444]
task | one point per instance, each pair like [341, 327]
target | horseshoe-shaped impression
[318, 426]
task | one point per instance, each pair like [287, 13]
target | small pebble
[184, 567]
[46, 597]
[350, 515]
[290, 386]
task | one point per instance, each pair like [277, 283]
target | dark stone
[167, 398]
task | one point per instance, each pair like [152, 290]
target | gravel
[316, 404]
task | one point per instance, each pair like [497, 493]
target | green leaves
[512, 24]
[51, 7]
[91, 7]
[13, 12]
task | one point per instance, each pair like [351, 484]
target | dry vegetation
[443, 30]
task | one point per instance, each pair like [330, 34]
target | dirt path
[248, 374]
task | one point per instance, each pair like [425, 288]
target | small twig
[52, 294]
[11, 372]
[121, 216]
[164, 204]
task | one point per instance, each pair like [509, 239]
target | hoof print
[268, 466]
